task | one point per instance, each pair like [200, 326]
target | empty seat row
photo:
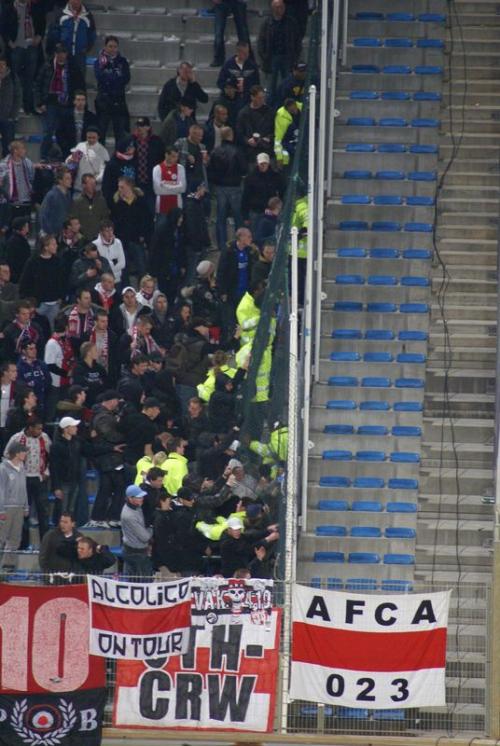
[370, 15]
[392, 122]
[358, 306]
[377, 357]
[393, 200]
[368, 483]
[391, 175]
[398, 69]
[391, 147]
[405, 335]
[396, 457]
[405, 280]
[367, 506]
[364, 558]
[394, 96]
[374, 406]
[400, 42]
[376, 382]
[379, 431]
[367, 532]
[355, 252]
[390, 226]
[311, 710]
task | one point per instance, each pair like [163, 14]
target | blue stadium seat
[400, 586]
[333, 505]
[415, 281]
[364, 95]
[392, 122]
[390, 226]
[397, 715]
[405, 457]
[430, 43]
[349, 279]
[331, 531]
[422, 175]
[352, 713]
[349, 306]
[342, 381]
[333, 584]
[408, 406]
[344, 404]
[403, 17]
[414, 308]
[432, 17]
[399, 507]
[365, 69]
[361, 584]
[411, 357]
[399, 559]
[364, 558]
[377, 382]
[381, 334]
[367, 506]
[381, 307]
[409, 383]
[382, 280]
[399, 42]
[413, 227]
[371, 456]
[334, 481]
[357, 174]
[392, 147]
[384, 253]
[387, 199]
[374, 406]
[369, 483]
[396, 69]
[425, 122]
[417, 254]
[378, 357]
[369, 532]
[412, 335]
[328, 557]
[427, 96]
[391, 175]
[378, 430]
[395, 96]
[315, 582]
[355, 199]
[345, 357]
[419, 200]
[359, 147]
[361, 121]
[351, 252]
[337, 454]
[428, 70]
[338, 429]
[402, 484]
[406, 431]
[346, 334]
[399, 532]
[424, 149]
[367, 41]
[353, 225]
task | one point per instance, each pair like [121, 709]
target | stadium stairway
[367, 408]
[455, 519]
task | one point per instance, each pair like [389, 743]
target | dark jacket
[155, 155]
[170, 96]
[258, 189]
[94, 379]
[234, 553]
[17, 251]
[227, 165]
[41, 279]
[174, 126]
[78, 278]
[44, 79]
[66, 134]
[266, 47]
[108, 435]
[207, 302]
[131, 388]
[222, 404]
[94, 565]
[65, 461]
[133, 222]
[54, 210]
[113, 76]
[90, 213]
[249, 72]
[51, 559]
[227, 271]
[164, 544]
[115, 168]
[259, 120]
[189, 541]
[10, 96]
[77, 37]
[233, 105]
[138, 431]
[265, 227]
[9, 21]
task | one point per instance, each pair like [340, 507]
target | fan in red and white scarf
[100, 338]
[142, 341]
[105, 290]
[67, 361]
[27, 332]
[81, 318]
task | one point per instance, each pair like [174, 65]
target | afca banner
[138, 621]
[52, 692]
[228, 677]
[369, 651]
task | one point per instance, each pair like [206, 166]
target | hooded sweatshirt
[13, 492]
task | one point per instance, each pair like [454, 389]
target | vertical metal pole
[323, 100]
[333, 91]
[345, 21]
[311, 204]
[291, 480]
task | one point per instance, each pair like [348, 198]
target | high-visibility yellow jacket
[300, 220]
[207, 388]
[282, 122]
[276, 449]
[247, 315]
[176, 467]
[214, 531]
[143, 466]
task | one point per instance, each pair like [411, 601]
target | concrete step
[463, 430]
[406, 162]
[468, 455]
[335, 238]
[472, 481]
[392, 29]
[460, 405]
[448, 532]
[461, 380]
[375, 187]
[444, 507]
[388, 82]
[464, 557]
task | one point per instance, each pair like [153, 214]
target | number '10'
[59, 644]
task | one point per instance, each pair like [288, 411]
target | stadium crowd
[128, 312]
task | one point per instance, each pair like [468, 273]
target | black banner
[65, 719]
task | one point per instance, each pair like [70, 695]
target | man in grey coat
[13, 502]
[136, 537]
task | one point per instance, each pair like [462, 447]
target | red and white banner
[227, 679]
[139, 621]
[369, 651]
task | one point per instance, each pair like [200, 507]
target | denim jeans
[50, 311]
[221, 11]
[51, 119]
[228, 200]
[281, 66]
[24, 66]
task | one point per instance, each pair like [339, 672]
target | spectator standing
[168, 257]
[235, 267]
[17, 249]
[111, 248]
[16, 183]
[262, 268]
[222, 9]
[65, 458]
[184, 85]
[88, 157]
[267, 223]
[41, 279]
[75, 28]
[294, 84]
[33, 373]
[131, 383]
[8, 377]
[112, 73]
[278, 47]
[13, 502]
[107, 446]
[122, 163]
[129, 309]
[80, 318]
[286, 131]
[212, 135]
[74, 125]
[88, 269]
[70, 245]
[105, 341]
[55, 87]
[178, 122]
[149, 152]
[10, 101]
[133, 224]
[242, 70]
[51, 558]
[136, 536]
[60, 359]
[255, 125]
[176, 466]
[19, 329]
[262, 183]
[226, 171]
[148, 291]
[229, 99]
[90, 208]
[89, 374]
[56, 203]
[169, 184]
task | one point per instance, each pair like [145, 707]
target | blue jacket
[54, 210]
[63, 31]
[35, 376]
[112, 75]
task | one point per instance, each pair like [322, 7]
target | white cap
[235, 523]
[234, 462]
[263, 158]
[68, 422]
[129, 287]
